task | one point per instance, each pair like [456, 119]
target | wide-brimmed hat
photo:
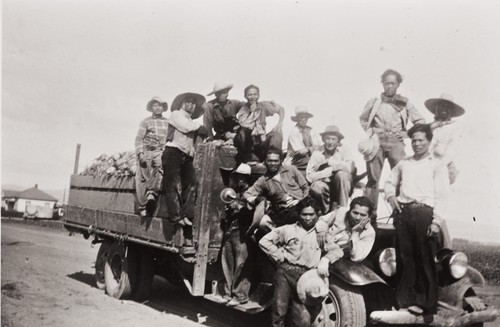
[332, 130]
[200, 100]
[311, 288]
[149, 106]
[369, 147]
[301, 111]
[431, 104]
[220, 87]
[243, 169]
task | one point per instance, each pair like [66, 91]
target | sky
[82, 72]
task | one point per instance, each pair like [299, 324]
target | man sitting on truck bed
[149, 144]
[283, 186]
[179, 174]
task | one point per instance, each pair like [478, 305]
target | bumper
[443, 318]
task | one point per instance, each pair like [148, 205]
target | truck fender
[354, 273]
[454, 293]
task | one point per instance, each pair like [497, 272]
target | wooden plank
[80, 215]
[112, 201]
[125, 183]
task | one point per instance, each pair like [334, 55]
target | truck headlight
[457, 264]
[387, 261]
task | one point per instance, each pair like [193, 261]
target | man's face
[444, 111]
[391, 85]
[331, 142]
[222, 95]
[357, 214]
[189, 106]
[308, 218]
[419, 143]
[240, 183]
[252, 96]
[157, 109]
[302, 120]
[273, 162]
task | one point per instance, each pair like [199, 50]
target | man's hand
[432, 230]
[393, 201]
[361, 225]
[322, 239]
[143, 163]
[323, 266]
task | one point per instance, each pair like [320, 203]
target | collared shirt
[152, 134]
[183, 133]
[215, 115]
[297, 246]
[255, 118]
[340, 160]
[296, 139]
[423, 181]
[443, 145]
[288, 182]
[337, 225]
[384, 117]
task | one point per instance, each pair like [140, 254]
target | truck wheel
[145, 274]
[344, 306]
[100, 261]
[119, 271]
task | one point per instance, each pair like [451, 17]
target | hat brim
[432, 103]
[296, 118]
[150, 105]
[229, 87]
[200, 100]
[337, 134]
[375, 147]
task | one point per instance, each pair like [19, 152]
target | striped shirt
[152, 134]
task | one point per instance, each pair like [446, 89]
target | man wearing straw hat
[330, 171]
[387, 116]
[444, 142]
[302, 142]
[149, 145]
[179, 181]
[220, 113]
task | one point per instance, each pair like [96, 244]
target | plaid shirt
[152, 134]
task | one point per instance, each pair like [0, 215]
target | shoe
[234, 302]
[415, 310]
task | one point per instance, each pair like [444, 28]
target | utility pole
[77, 158]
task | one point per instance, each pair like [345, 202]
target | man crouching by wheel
[296, 250]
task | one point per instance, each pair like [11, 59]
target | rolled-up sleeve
[182, 123]
[271, 242]
[393, 181]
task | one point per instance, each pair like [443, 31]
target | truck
[133, 249]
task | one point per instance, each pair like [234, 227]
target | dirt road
[47, 280]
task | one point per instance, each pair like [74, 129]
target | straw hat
[160, 101]
[311, 288]
[369, 147]
[243, 169]
[301, 111]
[200, 100]
[431, 104]
[220, 87]
[332, 130]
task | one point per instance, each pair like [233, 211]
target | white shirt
[184, 131]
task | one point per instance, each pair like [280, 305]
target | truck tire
[145, 273]
[119, 271]
[343, 307]
[100, 262]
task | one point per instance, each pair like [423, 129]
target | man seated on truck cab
[282, 186]
[296, 250]
[179, 176]
[349, 228]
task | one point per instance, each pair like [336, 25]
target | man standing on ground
[330, 171]
[419, 210]
[296, 250]
[387, 116]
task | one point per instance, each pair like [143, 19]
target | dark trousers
[179, 183]
[285, 295]
[237, 261]
[415, 258]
